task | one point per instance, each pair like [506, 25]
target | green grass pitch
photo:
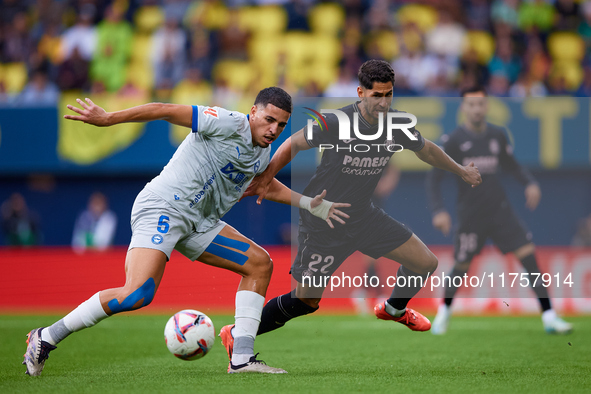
[322, 353]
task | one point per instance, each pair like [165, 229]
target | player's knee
[430, 264]
[129, 298]
[261, 262]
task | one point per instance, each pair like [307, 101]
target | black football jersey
[491, 153]
[351, 169]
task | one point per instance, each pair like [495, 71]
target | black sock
[401, 295]
[282, 309]
[450, 291]
[531, 266]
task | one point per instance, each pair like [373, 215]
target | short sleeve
[214, 121]
[413, 145]
[325, 133]
[400, 137]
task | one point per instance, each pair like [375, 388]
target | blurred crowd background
[216, 52]
[128, 52]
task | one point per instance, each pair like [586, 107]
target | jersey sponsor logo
[211, 112]
[199, 195]
[485, 164]
[466, 146]
[360, 171]
[493, 146]
[157, 239]
[379, 161]
[235, 175]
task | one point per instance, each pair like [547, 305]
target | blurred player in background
[95, 226]
[181, 209]
[369, 229]
[485, 211]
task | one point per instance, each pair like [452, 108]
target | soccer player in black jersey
[351, 177]
[485, 212]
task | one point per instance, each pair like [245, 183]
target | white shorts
[157, 225]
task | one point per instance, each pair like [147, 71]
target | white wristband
[321, 210]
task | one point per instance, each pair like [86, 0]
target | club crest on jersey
[389, 144]
[211, 112]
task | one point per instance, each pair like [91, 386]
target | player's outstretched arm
[435, 156]
[260, 185]
[317, 206]
[93, 114]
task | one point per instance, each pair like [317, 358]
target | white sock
[548, 316]
[393, 311]
[46, 336]
[87, 314]
[249, 307]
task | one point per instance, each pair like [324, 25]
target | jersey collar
[361, 118]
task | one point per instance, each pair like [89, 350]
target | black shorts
[504, 228]
[322, 253]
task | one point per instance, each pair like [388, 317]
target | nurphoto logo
[344, 123]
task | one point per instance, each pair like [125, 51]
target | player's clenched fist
[442, 222]
[471, 175]
[90, 113]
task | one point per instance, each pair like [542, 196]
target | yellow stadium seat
[148, 18]
[188, 92]
[264, 20]
[265, 50]
[265, 56]
[141, 47]
[238, 75]
[324, 75]
[566, 46]
[571, 71]
[425, 17]
[212, 15]
[14, 76]
[140, 73]
[384, 42]
[297, 47]
[481, 42]
[412, 39]
[327, 18]
[325, 49]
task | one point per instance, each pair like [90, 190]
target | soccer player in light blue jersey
[181, 209]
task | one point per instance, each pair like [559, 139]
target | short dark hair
[276, 96]
[375, 71]
[473, 89]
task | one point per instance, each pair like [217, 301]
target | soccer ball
[189, 334]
